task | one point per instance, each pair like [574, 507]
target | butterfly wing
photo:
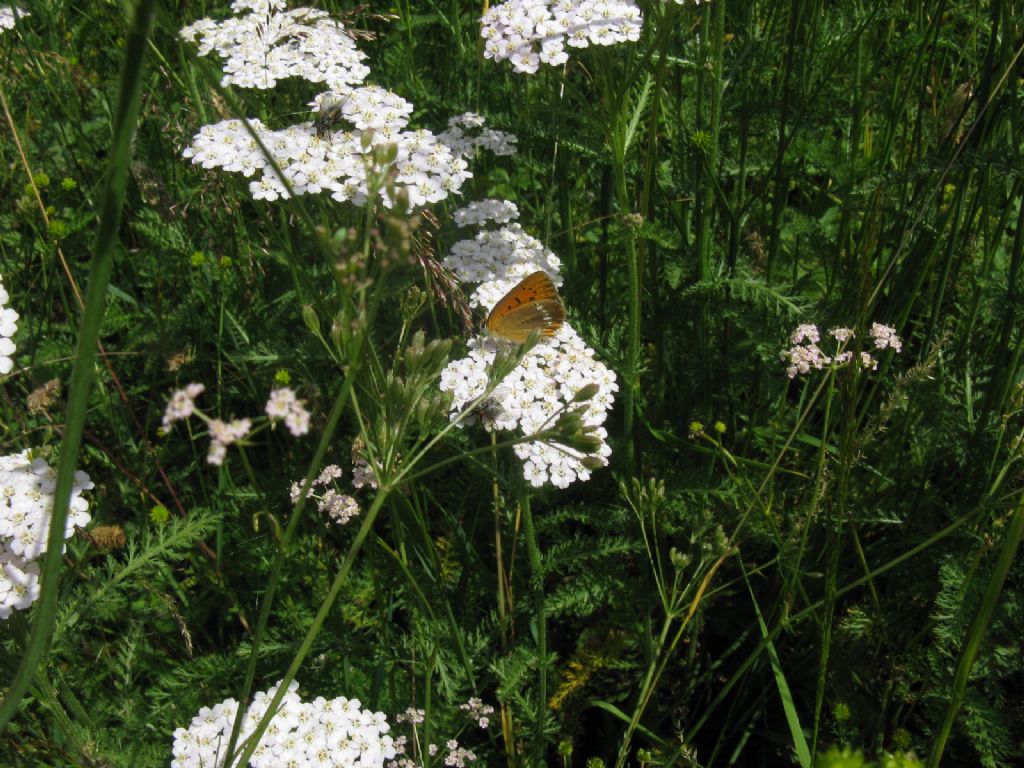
[532, 304]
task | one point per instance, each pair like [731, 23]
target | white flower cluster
[805, 355]
[26, 505]
[314, 734]
[426, 169]
[283, 404]
[548, 377]
[369, 107]
[223, 434]
[467, 133]
[8, 327]
[340, 507]
[497, 258]
[456, 756]
[530, 398]
[412, 715]
[182, 403]
[265, 43]
[270, 43]
[7, 16]
[482, 211]
[363, 475]
[478, 711]
[532, 32]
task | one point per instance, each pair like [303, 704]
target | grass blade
[803, 752]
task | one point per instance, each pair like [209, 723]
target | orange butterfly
[533, 304]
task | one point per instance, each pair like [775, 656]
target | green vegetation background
[807, 574]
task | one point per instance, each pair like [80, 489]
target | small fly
[330, 115]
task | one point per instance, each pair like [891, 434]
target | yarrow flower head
[546, 382]
[481, 212]
[335, 154]
[7, 16]
[316, 734]
[270, 43]
[26, 506]
[457, 756]
[223, 434]
[533, 32]
[467, 133]
[411, 715]
[8, 327]
[426, 169]
[340, 507]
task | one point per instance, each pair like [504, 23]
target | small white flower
[26, 504]
[482, 211]
[182, 403]
[7, 18]
[885, 337]
[283, 404]
[8, 324]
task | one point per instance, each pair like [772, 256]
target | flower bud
[583, 443]
[586, 392]
[412, 302]
[310, 318]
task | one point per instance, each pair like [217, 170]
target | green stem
[646, 688]
[125, 120]
[282, 552]
[537, 576]
[632, 373]
[314, 628]
[834, 539]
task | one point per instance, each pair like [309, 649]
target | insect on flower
[330, 115]
[533, 304]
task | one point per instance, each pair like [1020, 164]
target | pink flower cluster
[340, 507]
[283, 404]
[478, 711]
[804, 354]
[455, 755]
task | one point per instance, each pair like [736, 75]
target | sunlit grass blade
[796, 732]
